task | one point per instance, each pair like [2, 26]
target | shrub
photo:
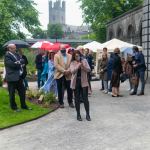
[49, 98]
[33, 94]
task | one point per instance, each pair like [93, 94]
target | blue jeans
[109, 86]
[106, 85]
[141, 76]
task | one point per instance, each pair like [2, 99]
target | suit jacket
[74, 70]
[61, 66]
[12, 69]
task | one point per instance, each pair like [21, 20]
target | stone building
[127, 27]
[57, 15]
[57, 12]
[133, 27]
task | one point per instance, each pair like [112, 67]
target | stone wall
[127, 27]
[146, 32]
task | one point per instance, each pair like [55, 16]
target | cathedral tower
[57, 12]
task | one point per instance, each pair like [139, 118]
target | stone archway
[119, 33]
[130, 33]
[111, 35]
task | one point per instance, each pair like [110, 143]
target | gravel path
[117, 124]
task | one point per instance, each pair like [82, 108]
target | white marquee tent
[115, 43]
[94, 46]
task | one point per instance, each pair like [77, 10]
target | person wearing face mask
[62, 75]
[79, 82]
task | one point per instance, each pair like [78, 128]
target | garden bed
[9, 118]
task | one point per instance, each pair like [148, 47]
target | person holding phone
[79, 68]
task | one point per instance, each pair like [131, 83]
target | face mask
[78, 58]
[63, 51]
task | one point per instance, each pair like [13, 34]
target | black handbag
[123, 77]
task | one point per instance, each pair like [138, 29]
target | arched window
[131, 33]
[111, 35]
[119, 33]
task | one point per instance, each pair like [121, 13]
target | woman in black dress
[116, 71]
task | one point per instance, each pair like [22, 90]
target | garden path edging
[17, 124]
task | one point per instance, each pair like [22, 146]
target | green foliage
[30, 54]
[13, 16]
[49, 98]
[38, 33]
[99, 12]
[90, 36]
[1, 81]
[35, 94]
[9, 117]
[55, 31]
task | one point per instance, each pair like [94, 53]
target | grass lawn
[9, 117]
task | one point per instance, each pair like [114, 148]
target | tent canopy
[94, 46]
[115, 43]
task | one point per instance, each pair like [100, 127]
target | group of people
[114, 69]
[66, 69]
[71, 70]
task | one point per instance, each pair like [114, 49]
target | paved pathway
[117, 124]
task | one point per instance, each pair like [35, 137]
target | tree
[38, 33]
[55, 31]
[14, 16]
[99, 12]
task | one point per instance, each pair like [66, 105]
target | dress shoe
[114, 95]
[140, 94]
[133, 93]
[61, 106]
[27, 108]
[79, 118]
[119, 95]
[71, 105]
[88, 118]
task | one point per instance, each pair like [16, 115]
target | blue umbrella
[127, 50]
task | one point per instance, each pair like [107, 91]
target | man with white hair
[13, 65]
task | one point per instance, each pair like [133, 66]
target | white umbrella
[94, 46]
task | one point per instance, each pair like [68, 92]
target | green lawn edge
[33, 119]
[9, 118]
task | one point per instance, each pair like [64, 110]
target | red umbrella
[42, 45]
[56, 46]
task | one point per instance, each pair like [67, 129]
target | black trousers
[89, 80]
[19, 86]
[77, 93]
[63, 84]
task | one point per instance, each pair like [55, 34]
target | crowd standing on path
[117, 69]
[71, 70]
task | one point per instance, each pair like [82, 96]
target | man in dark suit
[13, 65]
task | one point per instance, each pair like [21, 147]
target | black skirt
[115, 80]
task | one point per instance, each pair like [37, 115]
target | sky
[73, 12]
